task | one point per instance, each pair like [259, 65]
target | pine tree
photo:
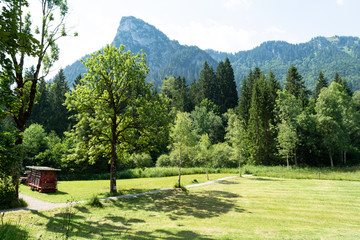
[320, 84]
[59, 115]
[207, 83]
[246, 94]
[255, 129]
[295, 85]
[228, 96]
[294, 82]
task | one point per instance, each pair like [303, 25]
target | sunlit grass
[239, 208]
[84, 190]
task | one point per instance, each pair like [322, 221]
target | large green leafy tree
[19, 41]
[121, 111]
[288, 109]
[332, 103]
[205, 121]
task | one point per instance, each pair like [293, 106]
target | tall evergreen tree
[296, 86]
[207, 83]
[194, 94]
[228, 96]
[59, 116]
[256, 125]
[294, 82]
[320, 84]
[246, 93]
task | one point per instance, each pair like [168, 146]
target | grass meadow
[238, 208]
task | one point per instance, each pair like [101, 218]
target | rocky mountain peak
[133, 31]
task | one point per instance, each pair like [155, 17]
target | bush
[142, 160]
[221, 156]
[164, 161]
[7, 193]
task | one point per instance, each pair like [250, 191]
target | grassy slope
[241, 208]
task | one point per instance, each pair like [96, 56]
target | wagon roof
[41, 168]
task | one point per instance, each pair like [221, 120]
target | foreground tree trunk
[113, 188]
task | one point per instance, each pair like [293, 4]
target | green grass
[84, 190]
[239, 208]
[326, 173]
[153, 172]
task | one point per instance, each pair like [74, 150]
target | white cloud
[340, 2]
[213, 35]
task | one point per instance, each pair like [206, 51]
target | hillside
[168, 57]
[336, 54]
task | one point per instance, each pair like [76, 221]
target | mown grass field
[239, 208]
[83, 190]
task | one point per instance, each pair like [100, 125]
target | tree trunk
[113, 188]
[239, 168]
[296, 163]
[179, 182]
[287, 161]
[344, 157]
[207, 172]
[331, 159]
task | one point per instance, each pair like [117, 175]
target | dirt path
[38, 205]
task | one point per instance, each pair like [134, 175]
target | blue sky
[224, 25]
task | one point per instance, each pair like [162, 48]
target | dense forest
[263, 124]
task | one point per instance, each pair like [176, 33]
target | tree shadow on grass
[57, 193]
[9, 230]
[265, 179]
[110, 227]
[177, 205]
[228, 182]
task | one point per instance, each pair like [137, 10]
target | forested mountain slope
[167, 57]
[335, 54]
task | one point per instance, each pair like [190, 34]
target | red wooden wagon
[43, 179]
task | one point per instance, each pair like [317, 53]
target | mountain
[335, 54]
[167, 57]
[164, 57]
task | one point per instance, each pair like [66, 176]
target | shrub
[142, 160]
[221, 156]
[164, 161]
[7, 193]
[94, 201]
